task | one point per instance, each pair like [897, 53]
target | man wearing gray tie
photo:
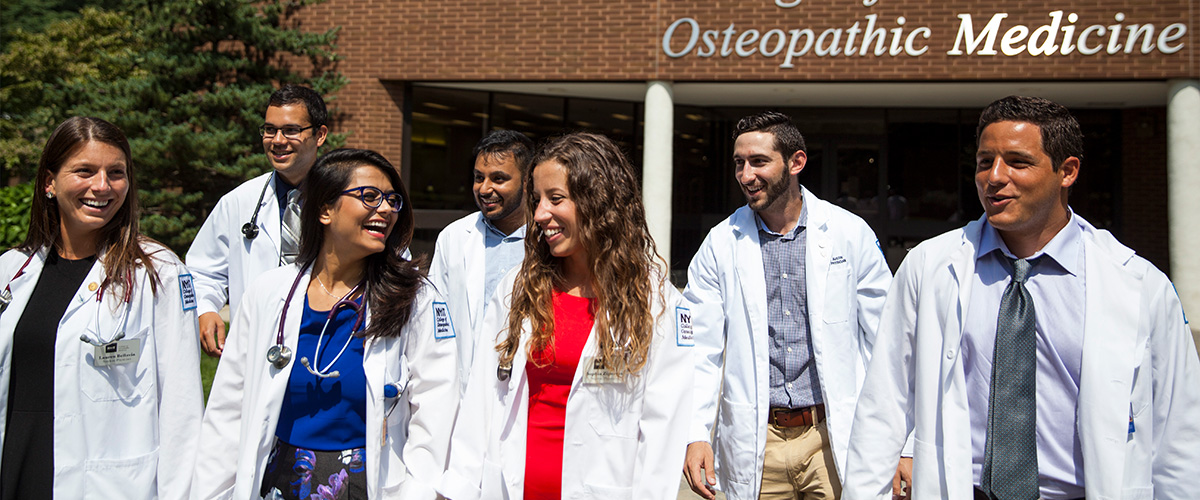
[256, 227]
[1032, 355]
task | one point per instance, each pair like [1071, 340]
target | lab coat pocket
[493, 478]
[1143, 493]
[129, 478]
[393, 473]
[126, 382]
[839, 291]
[612, 423]
[737, 431]
[607, 492]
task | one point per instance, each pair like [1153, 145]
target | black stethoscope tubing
[250, 229]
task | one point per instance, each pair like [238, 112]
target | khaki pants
[798, 464]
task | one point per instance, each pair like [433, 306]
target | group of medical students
[541, 353]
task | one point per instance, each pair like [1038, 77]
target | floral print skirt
[298, 474]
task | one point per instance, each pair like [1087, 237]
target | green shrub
[14, 213]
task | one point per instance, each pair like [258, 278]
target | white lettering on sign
[872, 36]
[686, 37]
[1057, 37]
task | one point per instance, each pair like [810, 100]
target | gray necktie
[290, 242]
[1010, 468]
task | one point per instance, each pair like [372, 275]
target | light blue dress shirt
[1057, 285]
[501, 253]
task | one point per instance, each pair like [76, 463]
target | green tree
[188, 82]
[41, 73]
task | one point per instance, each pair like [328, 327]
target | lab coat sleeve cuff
[204, 308]
[456, 487]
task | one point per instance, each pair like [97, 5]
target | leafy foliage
[14, 214]
[187, 81]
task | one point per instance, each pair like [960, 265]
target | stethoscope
[250, 229]
[6, 295]
[6, 298]
[280, 355]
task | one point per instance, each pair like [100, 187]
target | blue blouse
[326, 414]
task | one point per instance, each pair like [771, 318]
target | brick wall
[386, 41]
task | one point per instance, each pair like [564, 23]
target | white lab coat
[406, 451]
[223, 260]
[459, 270]
[121, 431]
[1139, 363]
[620, 442]
[846, 277]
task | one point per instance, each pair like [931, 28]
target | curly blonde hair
[621, 256]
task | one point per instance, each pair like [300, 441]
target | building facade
[887, 93]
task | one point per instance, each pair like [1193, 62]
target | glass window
[536, 116]
[446, 125]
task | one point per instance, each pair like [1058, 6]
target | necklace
[326, 290]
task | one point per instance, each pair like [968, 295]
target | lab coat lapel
[376, 356]
[747, 257]
[962, 269]
[268, 218]
[275, 385]
[21, 289]
[1111, 350]
[86, 293]
[474, 267]
[513, 428]
[816, 266]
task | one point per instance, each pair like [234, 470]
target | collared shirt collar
[1063, 248]
[282, 188]
[800, 224]
[516, 235]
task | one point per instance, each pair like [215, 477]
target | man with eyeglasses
[256, 227]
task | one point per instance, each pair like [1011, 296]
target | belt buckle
[774, 415]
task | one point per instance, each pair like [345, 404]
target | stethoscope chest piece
[5, 298]
[504, 371]
[279, 356]
[250, 231]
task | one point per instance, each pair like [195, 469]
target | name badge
[187, 292]
[594, 372]
[683, 327]
[443, 326]
[118, 353]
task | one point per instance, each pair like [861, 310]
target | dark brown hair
[621, 255]
[119, 239]
[788, 139]
[1061, 136]
[392, 281]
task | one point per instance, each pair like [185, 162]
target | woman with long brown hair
[582, 375]
[339, 376]
[99, 362]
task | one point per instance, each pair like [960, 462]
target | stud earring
[49, 196]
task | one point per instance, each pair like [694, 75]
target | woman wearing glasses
[338, 378]
[581, 380]
[99, 364]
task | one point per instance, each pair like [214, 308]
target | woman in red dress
[581, 379]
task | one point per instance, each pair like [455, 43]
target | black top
[27, 466]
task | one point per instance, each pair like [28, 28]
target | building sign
[1060, 34]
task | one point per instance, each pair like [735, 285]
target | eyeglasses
[290, 131]
[371, 197]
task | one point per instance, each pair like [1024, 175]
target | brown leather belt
[796, 417]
